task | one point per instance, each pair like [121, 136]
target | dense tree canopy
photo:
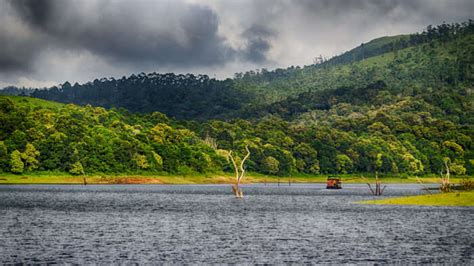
[398, 105]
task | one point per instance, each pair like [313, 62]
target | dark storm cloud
[37, 12]
[53, 40]
[171, 33]
[17, 42]
[259, 39]
[16, 53]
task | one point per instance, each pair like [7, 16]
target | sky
[47, 42]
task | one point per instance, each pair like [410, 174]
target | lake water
[206, 224]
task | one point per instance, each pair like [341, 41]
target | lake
[301, 223]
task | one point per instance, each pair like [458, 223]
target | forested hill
[399, 137]
[405, 109]
[439, 57]
[451, 103]
[181, 96]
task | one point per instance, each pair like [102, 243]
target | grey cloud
[422, 9]
[164, 33]
[37, 12]
[16, 53]
[121, 37]
[259, 39]
[18, 44]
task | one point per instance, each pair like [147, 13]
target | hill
[397, 136]
[438, 57]
[48, 136]
[181, 96]
[403, 111]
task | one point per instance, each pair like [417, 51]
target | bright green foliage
[412, 165]
[457, 168]
[343, 163]
[157, 160]
[30, 156]
[271, 165]
[140, 161]
[454, 153]
[16, 163]
[60, 136]
[76, 169]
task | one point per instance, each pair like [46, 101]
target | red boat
[333, 183]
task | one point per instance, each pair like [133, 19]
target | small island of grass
[443, 199]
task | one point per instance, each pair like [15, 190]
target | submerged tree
[378, 190]
[452, 164]
[239, 172]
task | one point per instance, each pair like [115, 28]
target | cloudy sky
[46, 42]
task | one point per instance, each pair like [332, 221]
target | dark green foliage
[396, 105]
[440, 56]
[74, 139]
[180, 96]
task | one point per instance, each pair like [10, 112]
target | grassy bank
[222, 178]
[442, 199]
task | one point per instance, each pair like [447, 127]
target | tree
[306, 158]
[377, 165]
[76, 169]
[239, 172]
[140, 161]
[29, 157]
[412, 165]
[270, 165]
[3, 157]
[16, 164]
[452, 163]
[343, 163]
[157, 161]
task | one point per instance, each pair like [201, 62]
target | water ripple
[205, 224]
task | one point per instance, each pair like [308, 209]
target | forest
[400, 105]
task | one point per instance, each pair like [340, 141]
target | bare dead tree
[378, 183]
[422, 184]
[84, 180]
[445, 182]
[378, 191]
[239, 173]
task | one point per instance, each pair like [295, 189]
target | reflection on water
[205, 223]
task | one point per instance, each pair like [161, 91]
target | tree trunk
[84, 177]
[378, 185]
[239, 174]
[445, 182]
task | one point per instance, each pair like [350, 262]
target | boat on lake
[333, 183]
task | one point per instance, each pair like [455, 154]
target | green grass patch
[442, 199]
[194, 178]
[33, 102]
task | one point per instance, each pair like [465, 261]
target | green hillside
[430, 60]
[398, 136]
[400, 106]
[48, 136]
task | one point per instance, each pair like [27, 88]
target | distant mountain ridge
[439, 56]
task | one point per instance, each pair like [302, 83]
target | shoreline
[64, 179]
[451, 199]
